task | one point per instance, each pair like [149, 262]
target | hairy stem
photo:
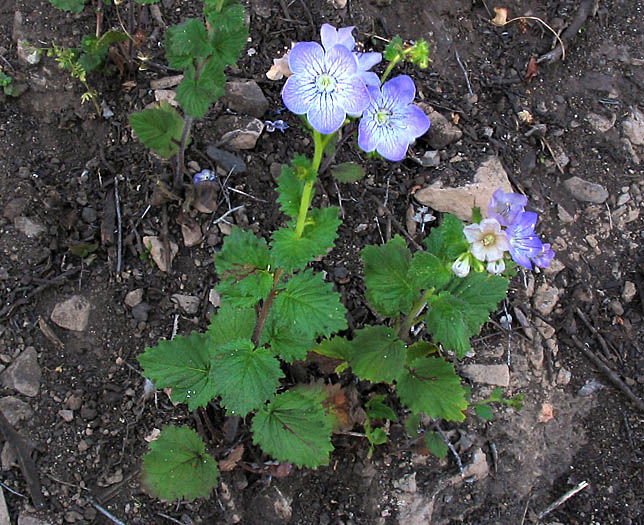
[178, 173]
[266, 307]
[412, 316]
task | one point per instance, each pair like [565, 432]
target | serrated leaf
[177, 466]
[393, 49]
[389, 289]
[431, 386]
[182, 364]
[229, 17]
[458, 313]
[285, 341]
[245, 377]
[348, 172]
[447, 241]
[290, 187]
[159, 129]
[484, 412]
[228, 43]
[319, 234]
[186, 41]
[376, 436]
[420, 349]
[412, 424]
[377, 354]
[197, 92]
[295, 427]
[74, 6]
[230, 323]
[377, 409]
[436, 444]
[311, 305]
[336, 348]
[428, 271]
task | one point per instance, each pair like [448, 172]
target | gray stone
[4, 512]
[214, 298]
[24, 373]
[15, 410]
[226, 160]
[585, 191]
[188, 303]
[67, 415]
[460, 200]
[72, 314]
[28, 519]
[545, 299]
[140, 312]
[633, 127]
[629, 292]
[28, 227]
[600, 123]
[498, 375]
[441, 131]
[15, 207]
[430, 159]
[134, 297]
[616, 307]
[89, 215]
[245, 97]
[238, 131]
[8, 457]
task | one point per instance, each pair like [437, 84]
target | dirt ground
[64, 174]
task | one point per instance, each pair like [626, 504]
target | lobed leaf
[430, 385]
[376, 409]
[228, 18]
[74, 6]
[177, 466]
[186, 41]
[436, 444]
[197, 92]
[335, 348]
[285, 341]
[290, 187]
[377, 354]
[159, 129]
[228, 43]
[428, 271]
[447, 241]
[295, 427]
[348, 172]
[230, 323]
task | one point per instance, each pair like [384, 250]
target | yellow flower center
[488, 239]
[383, 116]
[325, 83]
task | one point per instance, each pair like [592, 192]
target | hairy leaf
[286, 342]
[245, 378]
[291, 184]
[318, 236]
[458, 313]
[393, 49]
[159, 128]
[186, 41]
[230, 323]
[311, 305]
[377, 354]
[431, 386]
[336, 348]
[420, 349]
[177, 466]
[348, 172]
[386, 267]
[484, 412]
[198, 90]
[447, 241]
[74, 6]
[228, 43]
[412, 424]
[229, 18]
[428, 271]
[436, 444]
[295, 427]
[182, 364]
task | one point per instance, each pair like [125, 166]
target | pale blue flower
[392, 122]
[505, 207]
[524, 243]
[325, 86]
[543, 258]
[203, 176]
[278, 125]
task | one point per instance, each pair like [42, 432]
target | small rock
[545, 299]
[188, 303]
[633, 127]
[24, 373]
[430, 159]
[88, 413]
[83, 446]
[478, 467]
[67, 415]
[600, 123]
[72, 516]
[8, 459]
[629, 291]
[239, 131]
[89, 215]
[140, 312]
[488, 178]
[27, 53]
[441, 132]
[74, 402]
[616, 307]
[498, 375]
[191, 233]
[155, 245]
[585, 191]
[15, 207]
[27, 519]
[563, 377]
[547, 413]
[134, 297]
[15, 410]
[28, 227]
[72, 314]
[245, 97]
[563, 214]
[227, 161]
[407, 483]
[214, 298]
[4, 512]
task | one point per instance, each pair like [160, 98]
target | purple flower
[331, 36]
[504, 207]
[203, 176]
[524, 243]
[324, 86]
[279, 125]
[543, 258]
[391, 121]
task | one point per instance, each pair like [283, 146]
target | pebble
[616, 307]
[89, 215]
[67, 415]
[15, 207]
[430, 159]
[633, 127]
[83, 445]
[498, 375]
[15, 410]
[245, 97]
[585, 191]
[188, 303]
[545, 298]
[27, 519]
[134, 297]
[226, 160]
[239, 131]
[441, 132]
[629, 291]
[29, 227]
[563, 377]
[88, 413]
[24, 373]
[214, 298]
[27, 53]
[600, 123]
[140, 311]
[72, 314]
[563, 214]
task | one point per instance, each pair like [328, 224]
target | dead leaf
[455, 118]
[282, 470]
[228, 464]
[501, 17]
[547, 413]
[533, 70]
[279, 69]
[190, 230]
[152, 436]
[157, 251]
[202, 196]
[345, 404]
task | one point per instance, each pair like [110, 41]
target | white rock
[15, 410]
[214, 298]
[498, 375]
[488, 178]
[600, 123]
[134, 297]
[545, 299]
[28, 227]
[629, 291]
[72, 314]
[634, 127]
[188, 303]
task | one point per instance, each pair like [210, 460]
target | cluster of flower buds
[507, 229]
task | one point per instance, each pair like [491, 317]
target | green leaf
[348, 172]
[389, 290]
[436, 444]
[376, 436]
[290, 185]
[377, 354]
[420, 349]
[230, 323]
[428, 271]
[335, 348]
[177, 466]
[431, 386]
[318, 236]
[458, 313]
[285, 341]
[447, 241]
[311, 305]
[182, 364]
[393, 49]
[75, 6]
[295, 427]
[228, 43]
[245, 378]
[229, 17]
[186, 41]
[484, 412]
[412, 424]
[243, 265]
[376, 409]
[159, 129]
[198, 91]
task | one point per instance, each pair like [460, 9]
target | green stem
[391, 65]
[412, 316]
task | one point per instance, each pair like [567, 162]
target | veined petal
[369, 78]
[345, 38]
[299, 93]
[367, 135]
[473, 232]
[391, 145]
[401, 89]
[416, 122]
[325, 114]
[328, 36]
[340, 63]
[496, 267]
[352, 95]
[367, 60]
[306, 56]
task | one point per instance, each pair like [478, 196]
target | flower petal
[325, 114]
[306, 56]
[299, 93]
[369, 78]
[367, 60]
[345, 38]
[352, 95]
[328, 36]
[391, 145]
[368, 136]
[401, 89]
[473, 232]
[340, 62]
[416, 122]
